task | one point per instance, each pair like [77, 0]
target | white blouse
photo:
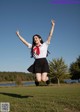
[43, 50]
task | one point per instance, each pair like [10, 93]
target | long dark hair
[34, 44]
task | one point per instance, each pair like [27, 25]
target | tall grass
[64, 98]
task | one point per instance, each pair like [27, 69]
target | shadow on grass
[15, 95]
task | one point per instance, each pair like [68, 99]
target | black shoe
[36, 83]
[48, 81]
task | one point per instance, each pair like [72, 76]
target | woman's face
[37, 40]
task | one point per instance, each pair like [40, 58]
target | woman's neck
[38, 44]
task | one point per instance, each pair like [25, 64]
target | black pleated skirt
[39, 66]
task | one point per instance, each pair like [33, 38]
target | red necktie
[37, 49]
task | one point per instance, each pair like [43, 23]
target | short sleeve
[47, 43]
[29, 45]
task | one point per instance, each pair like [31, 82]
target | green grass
[64, 98]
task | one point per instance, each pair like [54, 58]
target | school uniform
[40, 64]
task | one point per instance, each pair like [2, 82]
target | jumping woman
[39, 50]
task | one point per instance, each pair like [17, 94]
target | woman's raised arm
[22, 39]
[51, 31]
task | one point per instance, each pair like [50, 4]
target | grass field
[63, 98]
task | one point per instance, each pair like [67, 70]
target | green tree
[58, 69]
[75, 69]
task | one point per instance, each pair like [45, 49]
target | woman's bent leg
[45, 78]
[38, 79]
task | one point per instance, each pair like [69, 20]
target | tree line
[58, 71]
[14, 76]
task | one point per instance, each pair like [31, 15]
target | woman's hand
[17, 33]
[52, 22]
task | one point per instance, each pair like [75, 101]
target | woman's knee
[43, 79]
[38, 79]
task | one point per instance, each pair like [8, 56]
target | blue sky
[31, 17]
